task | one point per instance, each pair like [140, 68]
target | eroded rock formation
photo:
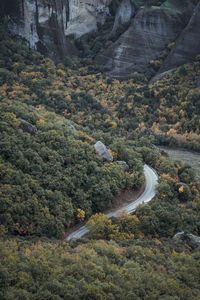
[85, 15]
[124, 14]
[150, 31]
[48, 25]
[187, 45]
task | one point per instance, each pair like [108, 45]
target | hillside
[52, 178]
[97, 270]
[52, 173]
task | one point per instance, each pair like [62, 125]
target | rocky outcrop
[50, 26]
[192, 240]
[150, 31]
[187, 45]
[101, 150]
[47, 25]
[43, 26]
[86, 15]
[28, 127]
[23, 22]
[123, 15]
[123, 165]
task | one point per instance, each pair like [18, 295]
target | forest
[51, 179]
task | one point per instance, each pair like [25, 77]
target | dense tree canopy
[97, 270]
[51, 178]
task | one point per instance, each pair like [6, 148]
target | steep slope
[150, 31]
[187, 46]
[50, 169]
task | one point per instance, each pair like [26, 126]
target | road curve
[149, 192]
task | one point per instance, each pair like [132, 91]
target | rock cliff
[150, 31]
[86, 15]
[47, 24]
[42, 23]
[187, 46]
[51, 26]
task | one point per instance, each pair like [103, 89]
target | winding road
[149, 192]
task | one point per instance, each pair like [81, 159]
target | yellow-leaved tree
[80, 214]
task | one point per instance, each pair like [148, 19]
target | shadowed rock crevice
[123, 16]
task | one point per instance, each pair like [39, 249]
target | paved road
[149, 192]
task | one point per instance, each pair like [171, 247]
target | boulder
[28, 127]
[101, 149]
[179, 235]
[123, 164]
[150, 31]
[71, 127]
[192, 240]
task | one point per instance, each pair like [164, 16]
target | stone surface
[85, 15]
[43, 26]
[123, 164]
[187, 46]
[150, 31]
[28, 127]
[123, 15]
[192, 240]
[25, 22]
[101, 149]
[46, 27]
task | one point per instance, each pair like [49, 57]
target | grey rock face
[101, 149]
[43, 26]
[25, 22]
[123, 164]
[124, 14]
[85, 15]
[192, 240]
[47, 26]
[188, 44]
[150, 31]
[28, 127]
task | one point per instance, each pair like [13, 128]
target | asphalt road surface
[148, 194]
